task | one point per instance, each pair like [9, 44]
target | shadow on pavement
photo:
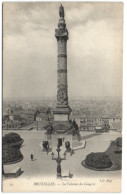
[68, 176]
[89, 136]
[34, 159]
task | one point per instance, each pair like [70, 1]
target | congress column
[62, 111]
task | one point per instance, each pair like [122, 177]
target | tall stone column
[62, 111]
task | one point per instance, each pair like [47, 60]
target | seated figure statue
[67, 145]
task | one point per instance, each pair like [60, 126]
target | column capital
[61, 34]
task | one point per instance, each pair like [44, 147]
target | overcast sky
[30, 49]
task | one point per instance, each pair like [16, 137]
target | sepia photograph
[62, 96]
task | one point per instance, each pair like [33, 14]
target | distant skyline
[30, 49]
[53, 98]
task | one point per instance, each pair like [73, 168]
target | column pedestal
[62, 113]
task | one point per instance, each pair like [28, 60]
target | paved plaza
[44, 166]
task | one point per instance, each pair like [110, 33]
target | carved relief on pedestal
[62, 96]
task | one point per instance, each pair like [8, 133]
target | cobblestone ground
[44, 166]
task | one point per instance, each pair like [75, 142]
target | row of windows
[106, 120]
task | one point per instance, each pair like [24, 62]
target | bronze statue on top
[61, 11]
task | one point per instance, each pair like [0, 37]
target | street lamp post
[37, 124]
[58, 160]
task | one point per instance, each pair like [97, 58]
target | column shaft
[62, 94]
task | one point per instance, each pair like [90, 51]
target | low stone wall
[95, 169]
[14, 173]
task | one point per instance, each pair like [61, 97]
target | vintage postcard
[62, 96]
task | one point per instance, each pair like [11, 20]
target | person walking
[31, 156]
[85, 144]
